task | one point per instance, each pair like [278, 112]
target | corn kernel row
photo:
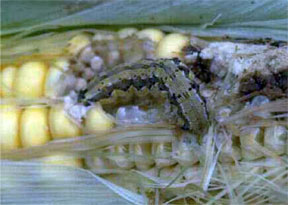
[161, 155]
[37, 125]
[33, 79]
[101, 52]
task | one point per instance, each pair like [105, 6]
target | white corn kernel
[87, 54]
[96, 63]
[97, 120]
[275, 139]
[7, 78]
[30, 80]
[171, 45]
[60, 124]
[34, 128]
[154, 35]
[250, 139]
[78, 42]
[9, 127]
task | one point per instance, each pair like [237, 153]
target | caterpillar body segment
[169, 77]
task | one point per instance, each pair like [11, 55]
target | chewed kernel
[97, 120]
[126, 32]
[171, 45]
[78, 42]
[154, 35]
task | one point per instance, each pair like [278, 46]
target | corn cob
[36, 125]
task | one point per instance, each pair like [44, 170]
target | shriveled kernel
[171, 45]
[184, 153]
[78, 42]
[30, 80]
[251, 139]
[87, 54]
[170, 173]
[34, 129]
[97, 120]
[142, 153]
[194, 173]
[61, 126]
[276, 139]
[99, 164]
[7, 78]
[230, 154]
[88, 74]
[162, 153]
[119, 159]
[53, 83]
[96, 63]
[81, 84]
[154, 35]
[9, 127]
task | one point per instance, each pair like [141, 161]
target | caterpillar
[168, 75]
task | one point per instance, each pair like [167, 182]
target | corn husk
[34, 28]
[35, 183]
[249, 19]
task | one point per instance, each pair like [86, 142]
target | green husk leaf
[83, 144]
[242, 18]
[35, 183]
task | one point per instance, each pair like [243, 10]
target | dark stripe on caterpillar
[169, 77]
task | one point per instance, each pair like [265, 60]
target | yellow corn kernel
[171, 45]
[154, 35]
[126, 32]
[60, 124]
[30, 78]
[34, 128]
[63, 159]
[62, 64]
[9, 127]
[78, 42]
[7, 78]
[53, 82]
[97, 120]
